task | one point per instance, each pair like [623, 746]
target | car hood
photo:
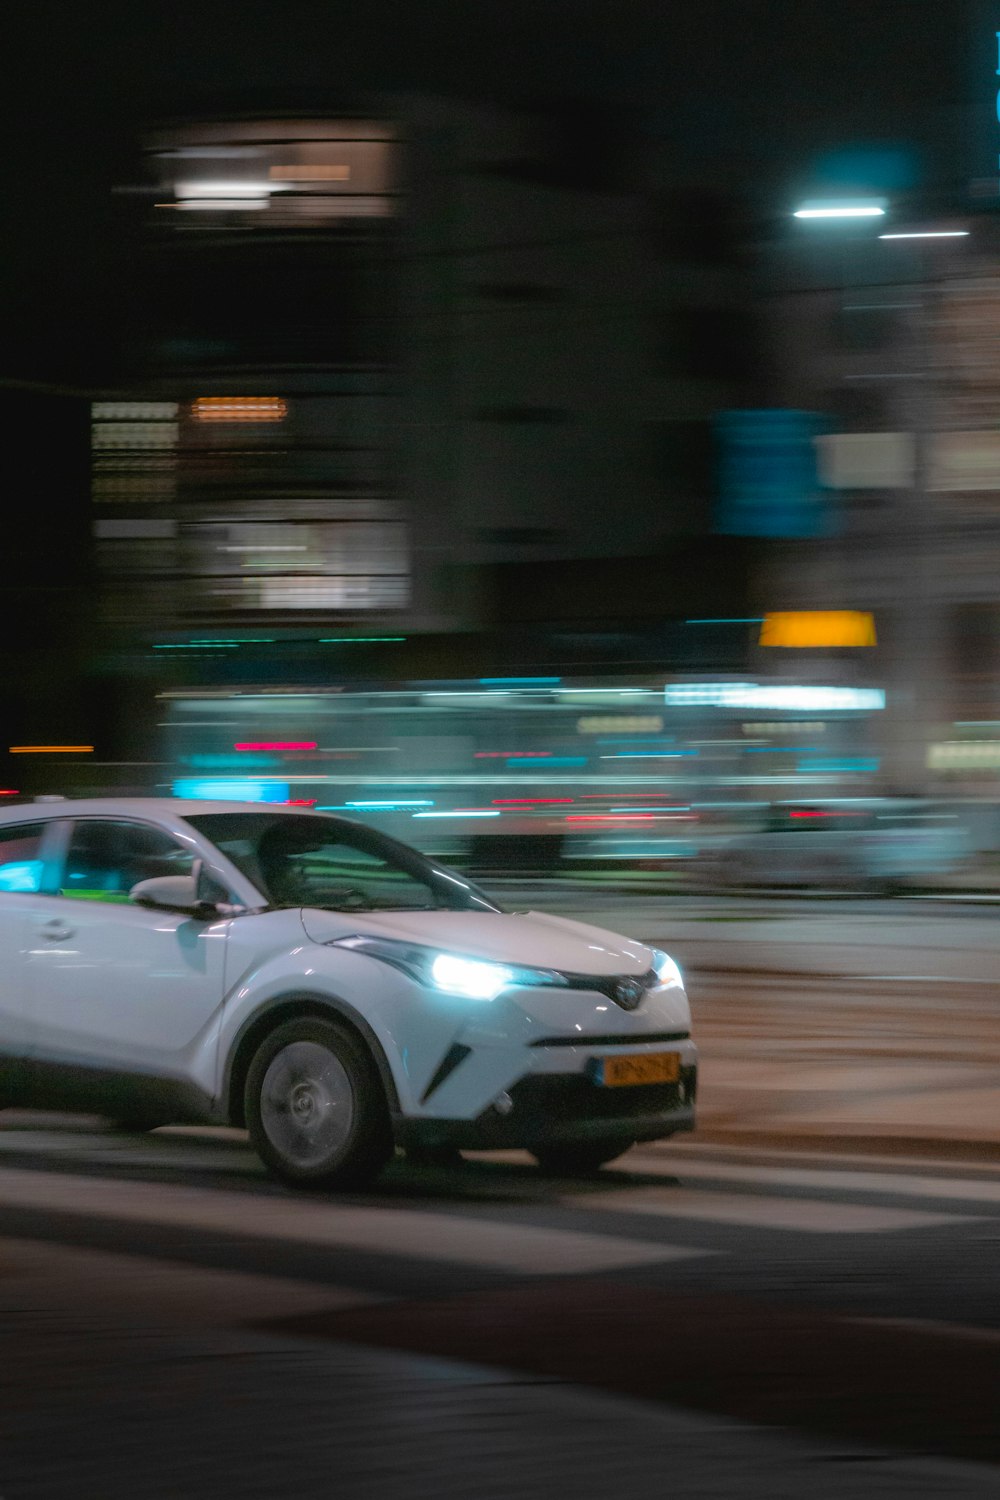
[532, 938]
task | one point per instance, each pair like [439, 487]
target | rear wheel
[315, 1107]
[579, 1158]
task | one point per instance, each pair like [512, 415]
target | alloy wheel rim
[307, 1104]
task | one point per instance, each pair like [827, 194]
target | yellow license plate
[649, 1067]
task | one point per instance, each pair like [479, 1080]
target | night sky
[756, 93]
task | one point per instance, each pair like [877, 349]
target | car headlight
[452, 973]
[667, 972]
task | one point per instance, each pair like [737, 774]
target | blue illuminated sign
[768, 481]
[235, 789]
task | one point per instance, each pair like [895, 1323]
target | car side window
[21, 865]
[339, 875]
[106, 859]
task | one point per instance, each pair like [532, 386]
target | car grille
[626, 990]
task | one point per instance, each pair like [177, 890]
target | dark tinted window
[327, 862]
[106, 859]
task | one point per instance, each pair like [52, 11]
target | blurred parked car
[878, 844]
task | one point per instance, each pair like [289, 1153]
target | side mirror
[174, 893]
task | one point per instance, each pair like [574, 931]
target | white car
[330, 989]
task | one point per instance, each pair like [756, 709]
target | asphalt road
[748, 1321]
[801, 1298]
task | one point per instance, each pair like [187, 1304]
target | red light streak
[8, 792]
[517, 802]
[301, 802]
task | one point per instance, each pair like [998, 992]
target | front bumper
[546, 1108]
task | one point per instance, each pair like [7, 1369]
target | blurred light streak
[9, 791]
[513, 681]
[222, 189]
[240, 789]
[402, 802]
[302, 802]
[926, 234]
[211, 762]
[648, 754]
[275, 745]
[239, 409]
[217, 203]
[357, 640]
[804, 629]
[859, 210]
[726, 620]
[552, 760]
[857, 763]
[51, 749]
[626, 817]
[517, 802]
[510, 754]
[311, 172]
[467, 813]
[773, 695]
[631, 692]
[637, 724]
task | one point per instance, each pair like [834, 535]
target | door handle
[57, 930]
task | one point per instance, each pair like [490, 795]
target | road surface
[799, 1299]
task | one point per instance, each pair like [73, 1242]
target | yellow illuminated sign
[816, 628]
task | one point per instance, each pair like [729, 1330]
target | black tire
[578, 1158]
[315, 1106]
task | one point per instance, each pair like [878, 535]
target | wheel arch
[287, 1008]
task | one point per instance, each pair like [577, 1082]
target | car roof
[120, 807]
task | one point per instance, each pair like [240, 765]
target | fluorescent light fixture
[860, 210]
[926, 234]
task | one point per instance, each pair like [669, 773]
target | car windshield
[297, 859]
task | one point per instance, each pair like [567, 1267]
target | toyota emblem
[627, 993]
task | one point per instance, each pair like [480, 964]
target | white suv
[324, 986]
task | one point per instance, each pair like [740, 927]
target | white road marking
[757, 1211]
[892, 1184]
[337, 1226]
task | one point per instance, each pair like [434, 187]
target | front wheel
[579, 1158]
[315, 1107]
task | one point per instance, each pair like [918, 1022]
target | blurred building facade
[437, 372]
[894, 343]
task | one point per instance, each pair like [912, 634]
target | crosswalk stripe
[757, 1211]
[487, 1244]
[898, 1185]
